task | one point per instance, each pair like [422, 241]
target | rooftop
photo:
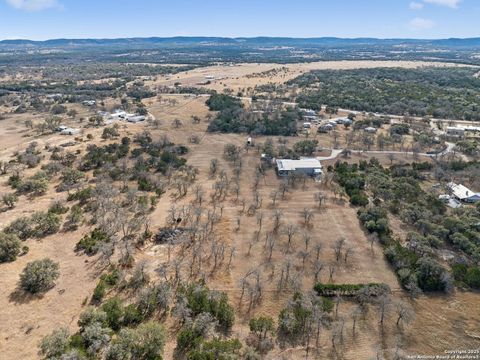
[305, 163]
[461, 192]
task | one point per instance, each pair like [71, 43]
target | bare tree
[317, 269]
[347, 254]
[274, 196]
[277, 220]
[290, 231]
[307, 216]
[320, 199]
[384, 304]
[284, 188]
[338, 247]
[355, 314]
[404, 312]
[331, 272]
[213, 167]
[306, 240]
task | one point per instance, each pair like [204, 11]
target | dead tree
[317, 269]
[277, 220]
[348, 252]
[290, 231]
[338, 247]
[307, 216]
[404, 313]
[274, 196]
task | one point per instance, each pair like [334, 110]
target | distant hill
[240, 42]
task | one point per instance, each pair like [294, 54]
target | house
[456, 131]
[307, 166]
[341, 121]
[325, 128]
[136, 118]
[462, 193]
[89, 102]
[310, 118]
[370, 130]
[69, 131]
[308, 112]
[61, 128]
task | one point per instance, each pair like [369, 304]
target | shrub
[82, 195]
[39, 276]
[9, 247]
[92, 315]
[217, 349]
[70, 178]
[22, 227]
[45, 223]
[57, 208]
[145, 342]
[201, 300]
[9, 200]
[99, 291]
[109, 133]
[432, 276]
[54, 345]
[359, 199]
[131, 315]
[90, 243]
[114, 309]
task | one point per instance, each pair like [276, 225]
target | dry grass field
[442, 322]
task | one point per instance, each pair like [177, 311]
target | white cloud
[33, 5]
[419, 24]
[448, 3]
[416, 5]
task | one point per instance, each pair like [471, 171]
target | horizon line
[238, 37]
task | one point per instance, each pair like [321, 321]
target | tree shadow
[19, 296]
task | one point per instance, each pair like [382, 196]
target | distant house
[310, 118]
[323, 129]
[89, 102]
[308, 112]
[69, 131]
[370, 130]
[61, 128]
[307, 166]
[462, 193]
[456, 131]
[136, 118]
[119, 114]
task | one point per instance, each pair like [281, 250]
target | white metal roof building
[463, 193]
[308, 166]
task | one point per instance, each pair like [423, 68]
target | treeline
[233, 118]
[451, 93]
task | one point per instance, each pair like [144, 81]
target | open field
[442, 321]
[244, 76]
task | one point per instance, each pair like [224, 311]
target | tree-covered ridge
[440, 92]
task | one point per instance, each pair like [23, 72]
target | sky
[51, 19]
